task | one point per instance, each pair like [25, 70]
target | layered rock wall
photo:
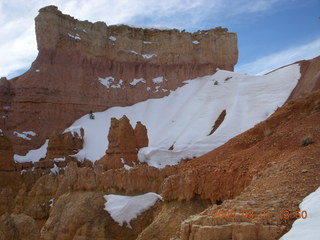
[83, 66]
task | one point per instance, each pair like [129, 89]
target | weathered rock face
[124, 143]
[310, 78]
[63, 82]
[83, 211]
[6, 153]
[64, 144]
[273, 153]
[18, 227]
[141, 135]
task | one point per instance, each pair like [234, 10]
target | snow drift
[185, 118]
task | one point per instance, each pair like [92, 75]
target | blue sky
[271, 33]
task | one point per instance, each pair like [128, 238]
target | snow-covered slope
[186, 117]
[123, 209]
[307, 227]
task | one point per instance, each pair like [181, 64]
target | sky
[271, 33]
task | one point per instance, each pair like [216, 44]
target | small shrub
[307, 140]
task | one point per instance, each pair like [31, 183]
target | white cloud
[276, 60]
[17, 42]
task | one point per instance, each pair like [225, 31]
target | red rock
[62, 83]
[64, 144]
[123, 144]
[309, 80]
[141, 135]
[6, 153]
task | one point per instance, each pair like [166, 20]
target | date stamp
[249, 214]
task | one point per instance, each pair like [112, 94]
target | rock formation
[83, 66]
[18, 227]
[141, 135]
[256, 171]
[310, 78]
[6, 153]
[124, 143]
[64, 144]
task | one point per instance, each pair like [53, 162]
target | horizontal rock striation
[83, 66]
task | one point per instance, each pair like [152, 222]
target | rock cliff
[124, 143]
[83, 66]
[6, 153]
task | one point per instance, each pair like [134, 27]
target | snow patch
[148, 56]
[80, 156]
[148, 89]
[123, 209]
[112, 38]
[127, 167]
[6, 108]
[106, 81]
[37, 70]
[33, 155]
[156, 89]
[195, 42]
[307, 228]
[59, 159]
[135, 81]
[146, 42]
[157, 80]
[76, 37]
[55, 170]
[118, 85]
[51, 202]
[25, 135]
[134, 52]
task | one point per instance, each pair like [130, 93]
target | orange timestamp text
[249, 214]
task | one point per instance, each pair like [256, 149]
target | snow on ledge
[33, 155]
[74, 130]
[106, 81]
[135, 81]
[195, 42]
[76, 37]
[25, 135]
[148, 56]
[157, 80]
[307, 228]
[112, 38]
[123, 209]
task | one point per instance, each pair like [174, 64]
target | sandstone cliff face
[64, 144]
[124, 143]
[310, 78]
[133, 63]
[6, 153]
[141, 135]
